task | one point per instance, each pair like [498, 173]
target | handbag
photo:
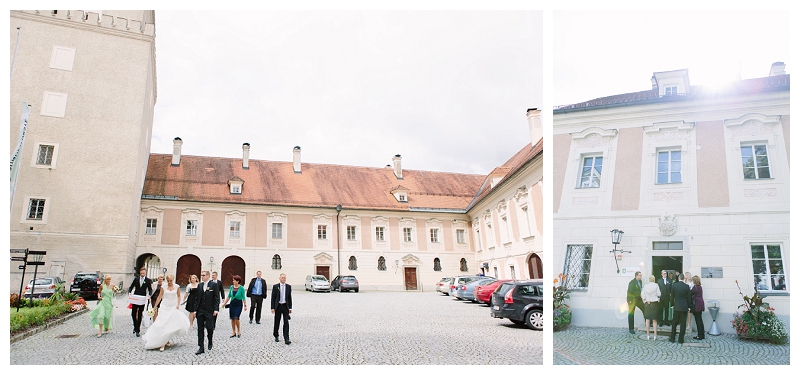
[147, 320]
[228, 305]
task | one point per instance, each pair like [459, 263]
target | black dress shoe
[200, 351]
[210, 345]
[699, 338]
[251, 321]
[137, 334]
[276, 339]
[257, 322]
[288, 342]
[671, 340]
[632, 331]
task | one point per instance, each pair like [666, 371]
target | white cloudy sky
[601, 53]
[448, 90]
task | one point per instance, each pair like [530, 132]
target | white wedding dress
[171, 322]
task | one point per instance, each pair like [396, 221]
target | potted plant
[758, 320]
[562, 315]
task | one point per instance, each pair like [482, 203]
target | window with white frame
[407, 234]
[401, 197]
[668, 168]
[591, 170]
[236, 189]
[381, 263]
[234, 227]
[577, 265]
[755, 161]
[277, 230]
[322, 232]
[434, 235]
[379, 234]
[352, 264]
[150, 226]
[671, 91]
[36, 209]
[351, 232]
[460, 236]
[513, 272]
[191, 227]
[437, 264]
[45, 156]
[276, 262]
[769, 274]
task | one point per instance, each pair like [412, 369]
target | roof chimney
[535, 125]
[398, 171]
[654, 83]
[297, 160]
[245, 155]
[176, 151]
[777, 69]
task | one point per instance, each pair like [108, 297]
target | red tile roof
[205, 179]
[743, 87]
[508, 169]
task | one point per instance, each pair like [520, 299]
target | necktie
[283, 294]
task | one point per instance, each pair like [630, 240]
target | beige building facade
[698, 181]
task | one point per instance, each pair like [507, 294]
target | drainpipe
[338, 248]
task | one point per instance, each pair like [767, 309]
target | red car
[483, 293]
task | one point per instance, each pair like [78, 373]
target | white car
[316, 283]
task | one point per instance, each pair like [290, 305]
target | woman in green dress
[104, 311]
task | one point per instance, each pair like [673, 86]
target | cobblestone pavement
[615, 346]
[379, 328]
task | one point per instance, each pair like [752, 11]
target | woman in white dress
[171, 321]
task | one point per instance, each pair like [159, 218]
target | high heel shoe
[648, 337]
[239, 335]
[232, 336]
[161, 349]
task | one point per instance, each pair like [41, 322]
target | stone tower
[90, 82]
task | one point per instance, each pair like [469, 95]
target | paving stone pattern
[377, 328]
[616, 346]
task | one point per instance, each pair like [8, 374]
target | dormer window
[400, 193]
[671, 91]
[235, 185]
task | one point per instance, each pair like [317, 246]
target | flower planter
[752, 337]
[562, 326]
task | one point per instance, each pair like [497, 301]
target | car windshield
[350, 278]
[318, 278]
[44, 281]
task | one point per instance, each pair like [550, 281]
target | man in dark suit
[207, 308]
[281, 306]
[140, 286]
[219, 286]
[681, 300]
[634, 299]
[665, 285]
[256, 290]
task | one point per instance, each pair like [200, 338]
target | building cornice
[85, 25]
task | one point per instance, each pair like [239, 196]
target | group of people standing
[671, 299]
[202, 299]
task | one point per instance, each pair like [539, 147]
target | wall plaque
[711, 272]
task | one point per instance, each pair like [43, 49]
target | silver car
[45, 287]
[317, 283]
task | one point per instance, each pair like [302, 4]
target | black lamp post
[616, 238]
[338, 249]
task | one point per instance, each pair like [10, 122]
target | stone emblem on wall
[667, 225]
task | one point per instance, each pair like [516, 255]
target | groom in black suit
[139, 286]
[207, 308]
[281, 306]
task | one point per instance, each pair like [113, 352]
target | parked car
[483, 293]
[458, 281]
[520, 302]
[444, 285]
[86, 284]
[467, 291]
[316, 283]
[344, 283]
[43, 288]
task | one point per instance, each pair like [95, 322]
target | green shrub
[35, 316]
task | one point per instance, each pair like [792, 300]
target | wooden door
[188, 264]
[535, 267]
[324, 271]
[411, 278]
[232, 265]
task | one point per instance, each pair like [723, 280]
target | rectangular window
[460, 236]
[668, 245]
[351, 232]
[150, 227]
[322, 232]
[590, 172]
[36, 209]
[379, 234]
[755, 162]
[407, 234]
[434, 235]
[236, 189]
[669, 167]
[191, 227]
[577, 266]
[277, 230]
[671, 91]
[768, 271]
[234, 229]
[45, 155]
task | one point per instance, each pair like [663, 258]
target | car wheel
[518, 322]
[356, 290]
[340, 289]
[534, 319]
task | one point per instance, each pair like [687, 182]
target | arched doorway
[188, 264]
[150, 262]
[232, 265]
[535, 267]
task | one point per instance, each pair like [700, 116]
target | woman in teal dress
[236, 296]
[104, 311]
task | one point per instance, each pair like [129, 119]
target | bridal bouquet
[151, 312]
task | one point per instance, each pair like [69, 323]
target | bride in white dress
[171, 321]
